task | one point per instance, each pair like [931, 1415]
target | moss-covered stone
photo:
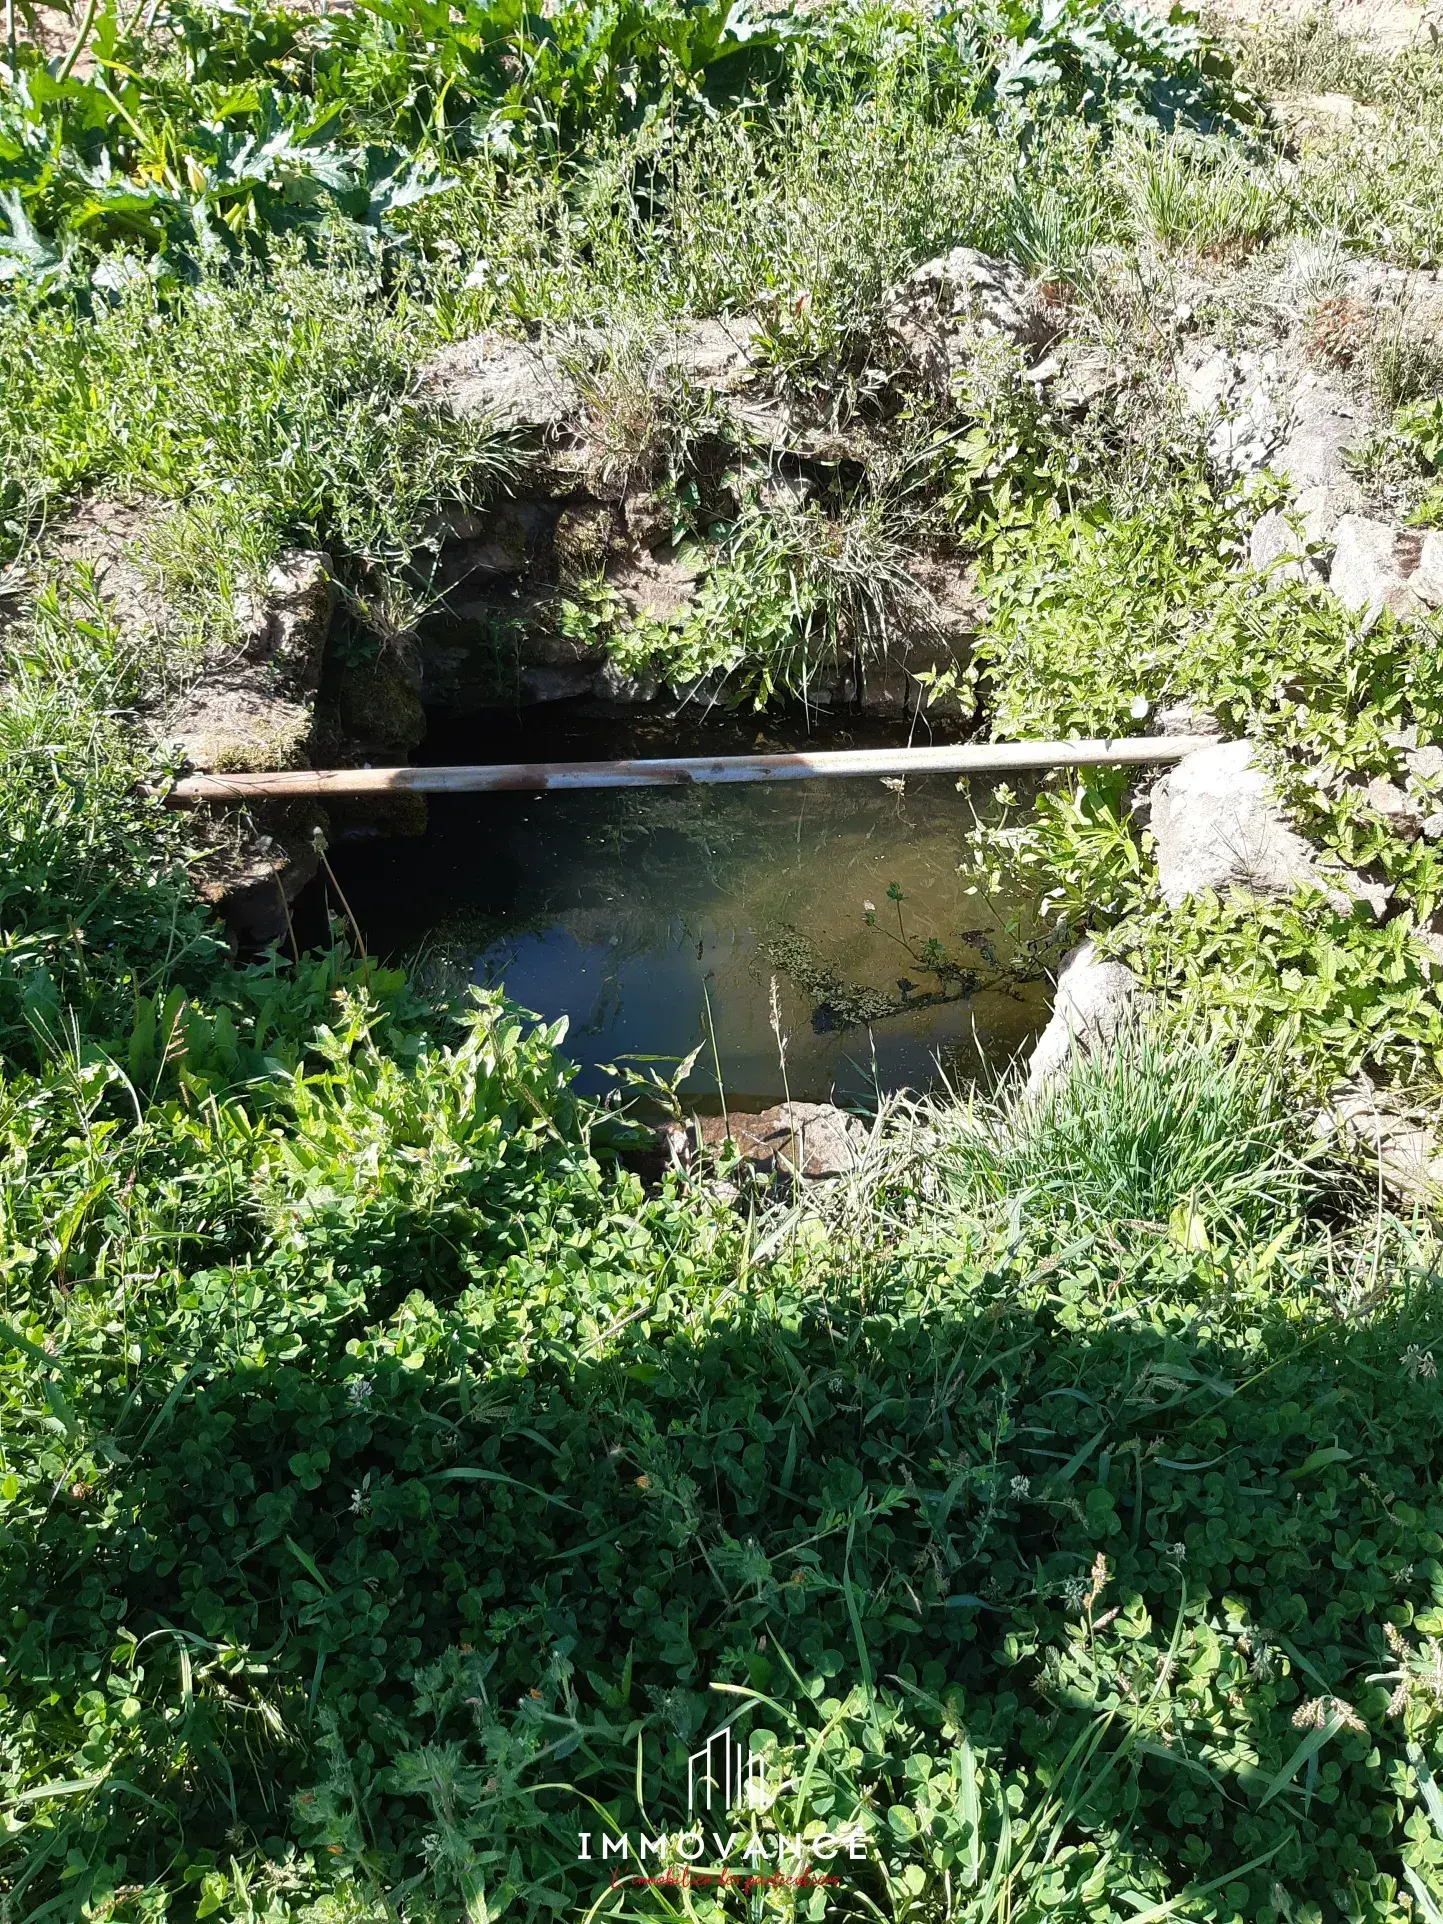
[379, 705]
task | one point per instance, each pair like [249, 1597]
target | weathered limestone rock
[1371, 567]
[228, 727]
[1077, 375]
[1399, 809]
[1184, 718]
[718, 355]
[1262, 412]
[658, 586]
[582, 539]
[1426, 580]
[1405, 1152]
[1282, 542]
[1235, 394]
[1216, 826]
[379, 707]
[252, 889]
[938, 314]
[285, 626]
[812, 1139]
[1093, 997]
[1321, 423]
[515, 384]
[500, 539]
[252, 705]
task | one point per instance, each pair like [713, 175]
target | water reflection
[656, 920]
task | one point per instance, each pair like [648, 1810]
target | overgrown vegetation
[391, 1488]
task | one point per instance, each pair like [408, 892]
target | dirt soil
[1385, 24]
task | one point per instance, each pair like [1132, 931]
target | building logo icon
[722, 1773]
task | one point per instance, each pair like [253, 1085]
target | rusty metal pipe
[972, 758]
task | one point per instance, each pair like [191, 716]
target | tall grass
[1201, 197]
[265, 406]
[805, 217]
[1160, 1129]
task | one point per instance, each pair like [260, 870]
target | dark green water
[655, 920]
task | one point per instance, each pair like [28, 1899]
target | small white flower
[1020, 1485]
[358, 1391]
[1141, 708]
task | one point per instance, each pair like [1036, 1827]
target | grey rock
[626, 690]
[1093, 998]
[1282, 542]
[1399, 809]
[253, 706]
[1322, 424]
[940, 312]
[253, 891]
[1399, 1146]
[659, 586]
[1183, 718]
[1216, 826]
[226, 727]
[1234, 395]
[1425, 763]
[1261, 412]
[555, 681]
[1371, 566]
[1426, 580]
[716, 355]
[514, 384]
[286, 625]
[503, 538]
[1084, 376]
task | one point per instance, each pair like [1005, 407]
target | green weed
[1160, 1129]
[1203, 198]
[259, 411]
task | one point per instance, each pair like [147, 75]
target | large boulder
[1285, 542]
[1261, 411]
[939, 313]
[1322, 423]
[1426, 580]
[1399, 1145]
[1217, 826]
[284, 626]
[717, 355]
[1235, 397]
[1092, 1000]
